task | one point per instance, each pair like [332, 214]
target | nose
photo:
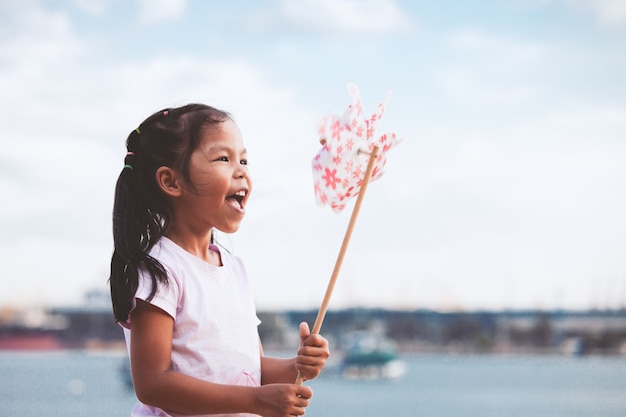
[241, 171]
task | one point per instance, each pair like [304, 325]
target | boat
[35, 341]
[371, 356]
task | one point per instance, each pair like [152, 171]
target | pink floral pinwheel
[351, 156]
[339, 167]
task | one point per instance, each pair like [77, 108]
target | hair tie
[138, 131]
[129, 166]
[165, 112]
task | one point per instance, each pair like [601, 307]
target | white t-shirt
[215, 323]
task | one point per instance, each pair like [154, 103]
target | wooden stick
[344, 247]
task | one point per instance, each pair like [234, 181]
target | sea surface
[79, 384]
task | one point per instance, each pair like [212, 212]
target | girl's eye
[244, 162]
[223, 158]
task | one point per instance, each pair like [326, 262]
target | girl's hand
[283, 400]
[312, 354]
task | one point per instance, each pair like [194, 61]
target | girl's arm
[309, 361]
[157, 385]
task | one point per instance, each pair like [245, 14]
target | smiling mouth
[238, 198]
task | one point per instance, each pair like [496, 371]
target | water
[73, 384]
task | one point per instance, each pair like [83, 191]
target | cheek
[209, 184]
[207, 189]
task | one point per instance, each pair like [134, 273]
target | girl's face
[220, 178]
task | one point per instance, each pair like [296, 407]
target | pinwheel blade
[339, 166]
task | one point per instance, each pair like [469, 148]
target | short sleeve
[167, 294]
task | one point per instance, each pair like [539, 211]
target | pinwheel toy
[352, 155]
[347, 142]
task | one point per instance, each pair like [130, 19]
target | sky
[508, 190]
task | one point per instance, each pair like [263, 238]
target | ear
[168, 181]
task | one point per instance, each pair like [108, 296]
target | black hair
[141, 212]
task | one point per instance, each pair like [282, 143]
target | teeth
[241, 193]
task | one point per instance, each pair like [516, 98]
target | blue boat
[371, 356]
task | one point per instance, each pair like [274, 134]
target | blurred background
[498, 227]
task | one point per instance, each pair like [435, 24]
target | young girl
[185, 304]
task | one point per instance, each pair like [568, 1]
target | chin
[230, 229]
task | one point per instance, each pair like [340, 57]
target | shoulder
[170, 256]
[165, 253]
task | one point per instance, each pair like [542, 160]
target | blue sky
[508, 190]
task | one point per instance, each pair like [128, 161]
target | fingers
[303, 396]
[280, 400]
[314, 346]
[315, 341]
[312, 354]
[303, 392]
[310, 361]
[304, 332]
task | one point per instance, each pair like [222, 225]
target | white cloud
[608, 12]
[92, 7]
[513, 52]
[492, 70]
[474, 86]
[38, 270]
[155, 11]
[533, 200]
[34, 37]
[346, 16]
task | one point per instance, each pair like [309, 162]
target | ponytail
[135, 231]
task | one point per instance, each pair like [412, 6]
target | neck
[194, 243]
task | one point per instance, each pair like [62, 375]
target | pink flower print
[336, 130]
[331, 178]
[317, 165]
[318, 189]
[337, 206]
[337, 174]
[349, 144]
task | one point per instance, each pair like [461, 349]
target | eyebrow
[217, 148]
